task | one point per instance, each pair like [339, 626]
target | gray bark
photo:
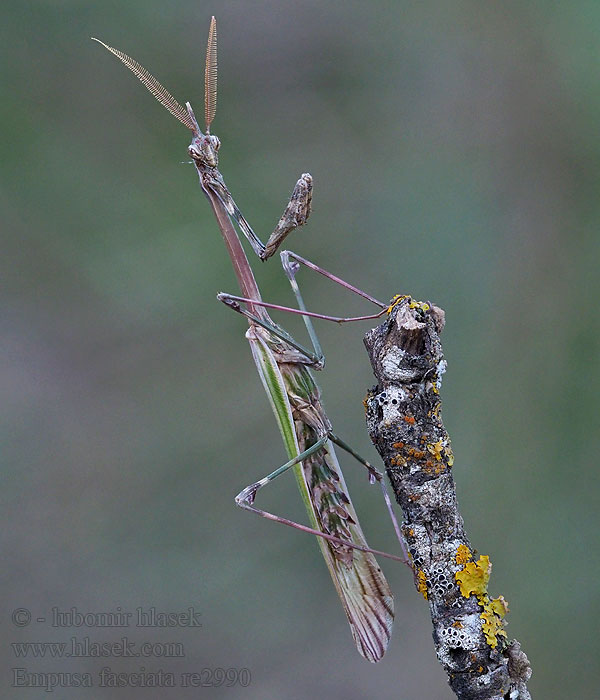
[405, 424]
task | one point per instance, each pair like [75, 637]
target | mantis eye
[216, 144]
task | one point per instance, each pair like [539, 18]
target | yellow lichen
[463, 554]
[492, 626]
[419, 305]
[473, 580]
[449, 455]
[474, 577]
[396, 299]
[422, 583]
[499, 606]
[436, 449]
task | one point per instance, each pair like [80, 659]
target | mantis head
[204, 147]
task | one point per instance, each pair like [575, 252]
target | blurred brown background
[455, 149]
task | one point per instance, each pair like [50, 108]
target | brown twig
[405, 424]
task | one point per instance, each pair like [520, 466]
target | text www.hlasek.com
[86, 648]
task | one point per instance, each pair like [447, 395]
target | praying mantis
[284, 367]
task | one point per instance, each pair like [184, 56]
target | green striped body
[360, 583]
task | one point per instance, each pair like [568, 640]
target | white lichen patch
[392, 402]
[391, 366]
[463, 633]
[442, 365]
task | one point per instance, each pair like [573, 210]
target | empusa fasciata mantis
[283, 366]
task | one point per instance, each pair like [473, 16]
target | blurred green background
[455, 148]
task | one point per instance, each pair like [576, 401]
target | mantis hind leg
[245, 499]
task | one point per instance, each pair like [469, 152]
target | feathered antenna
[151, 83]
[210, 75]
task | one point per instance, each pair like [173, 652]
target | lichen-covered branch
[405, 424]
